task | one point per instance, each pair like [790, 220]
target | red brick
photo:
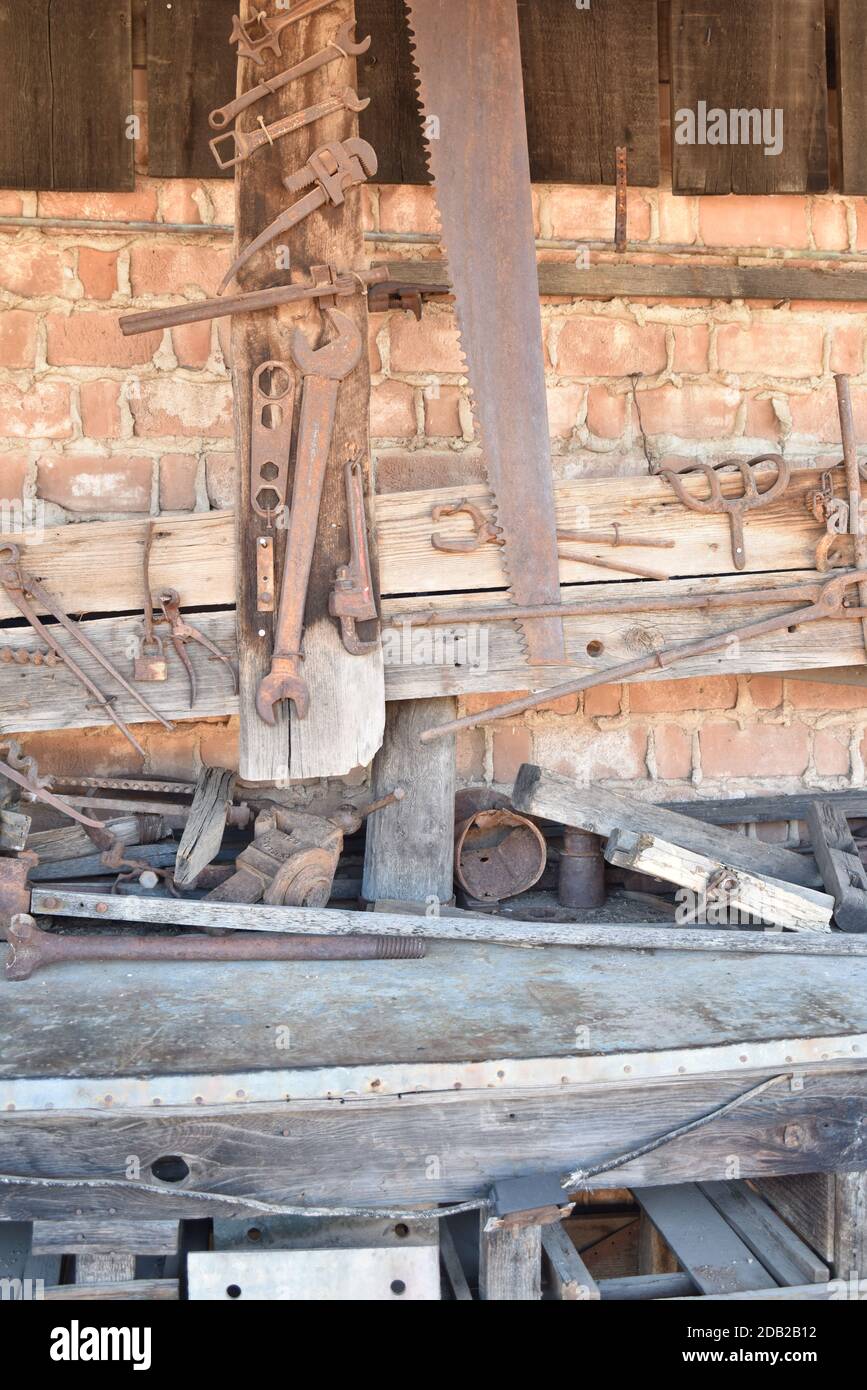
[222, 195]
[815, 414]
[17, 338]
[392, 411]
[11, 204]
[588, 214]
[691, 344]
[677, 219]
[368, 209]
[606, 413]
[760, 750]
[470, 755]
[603, 700]
[192, 344]
[160, 269]
[830, 754]
[512, 747]
[442, 415]
[762, 421]
[184, 409]
[830, 225]
[818, 695]
[770, 220]
[221, 474]
[431, 345]
[41, 411]
[407, 208]
[178, 482]
[766, 692]
[564, 405]
[771, 349]
[94, 340]
[139, 206]
[375, 325]
[592, 347]
[33, 270]
[589, 755]
[178, 202]
[97, 271]
[689, 412]
[100, 409]
[79, 484]
[847, 349]
[478, 704]
[673, 752]
[675, 697]
[13, 473]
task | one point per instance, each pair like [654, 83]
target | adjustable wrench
[247, 142]
[352, 599]
[323, 370]
[343, 45]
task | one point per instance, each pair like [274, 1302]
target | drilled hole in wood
[170, 1168]
[595, 648]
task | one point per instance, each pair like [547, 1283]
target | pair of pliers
[182, 633]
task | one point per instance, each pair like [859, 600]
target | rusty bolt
[51, 903]
[102, 907]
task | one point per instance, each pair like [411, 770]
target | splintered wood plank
[66, 94]
[591, 83]
[735, 55]
[392, 121]
[191, 70]
[344, 727]
[851, 97]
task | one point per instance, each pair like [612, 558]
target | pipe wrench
[352, 599]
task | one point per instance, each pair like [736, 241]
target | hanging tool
[273, 25]
[352, 598]
[343, 45]
[150, 664]
[20, 589]
[271, 439]
[468, 60]
[735, 508]
[182, 633]
[832, 513]
[334, 168]
[346, 283]
[24, 773]
[829, 603]
[247, 142]
[853, 480]
[323, 370]
[614, 535]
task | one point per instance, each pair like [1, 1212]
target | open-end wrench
[329, 172]
[343, 45]
[249, 46]
[247, 142]
[323, 370]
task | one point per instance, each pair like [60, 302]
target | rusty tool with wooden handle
[323, 370]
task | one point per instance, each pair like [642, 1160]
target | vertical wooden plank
[25, 96]
[851, 94]
[391, 122]
[409, 855]
[345, 725]
[850, 1225]
[191, 70]
[510, 1265]
[591, 81]
[735, 55]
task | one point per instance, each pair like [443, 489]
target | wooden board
[739, 55]
[806, 1203]
[851, 100]
[715, 1258]
[192, 69]
[592, 70]
[392, 121]
[66, 95]
[784, 1255]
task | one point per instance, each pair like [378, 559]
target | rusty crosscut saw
[468, 59]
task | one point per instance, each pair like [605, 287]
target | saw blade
[468, 63]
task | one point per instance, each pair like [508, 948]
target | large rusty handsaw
[467, 54]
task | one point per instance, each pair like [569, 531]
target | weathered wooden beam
[714, 1257]
[203, 836]
[570, 1277]
[783, 1254]
[126, 1291]
[739, 810]
[850, 1225]
[840, 864]
[76, 1237]
[510, 1265]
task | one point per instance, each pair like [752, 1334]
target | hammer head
[336, 359]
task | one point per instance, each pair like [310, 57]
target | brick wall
[95, 426]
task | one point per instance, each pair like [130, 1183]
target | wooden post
[510, 1265]
[346, 720]
[850, 1225]
[410, 846]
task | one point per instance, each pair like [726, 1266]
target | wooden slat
[704, 1243]
[76, 1237]
[126, 1291]
[510, 1265]
[66, 94]
[191, 70]
[805, 1201]
[783, 1254]
[851, 97]
[736, 54]
[591, 83]
[392, 121]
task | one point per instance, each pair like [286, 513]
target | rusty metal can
[582, 871]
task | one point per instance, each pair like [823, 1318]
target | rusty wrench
[254, 48]
[323, 370]
[247, 142]
[343, 45]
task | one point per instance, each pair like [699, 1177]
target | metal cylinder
[582, 871]
[498, 854]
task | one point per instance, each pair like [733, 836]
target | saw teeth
[428, 155]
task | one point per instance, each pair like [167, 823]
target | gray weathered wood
[642, 1288]
[104, 1268]
[835, 1291]
[704, 1243]
[451, 1262]
[805, 1201]
[570, 1277]
[759, 810]
[203, 836]
[850, 1224]
[117, 1238]
[126, 1291]
[510, 1265]
[840, 864]
[594, 808]
[14, 829]
[410, 846]
[780, 1250]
